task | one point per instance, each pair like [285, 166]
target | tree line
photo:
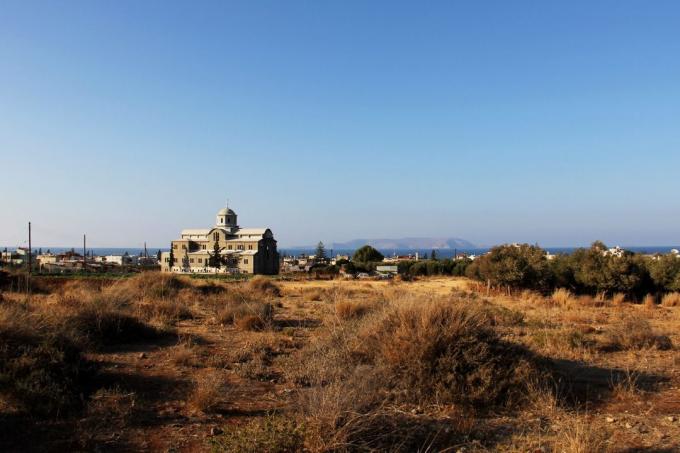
[590, 270]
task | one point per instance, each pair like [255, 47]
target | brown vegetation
[161, 362]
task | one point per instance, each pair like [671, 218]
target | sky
[555, 123]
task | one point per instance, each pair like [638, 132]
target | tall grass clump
[563, 297]
[42, 371]
[413, 353]
[635, 333]
[671, 300]
[264, 286]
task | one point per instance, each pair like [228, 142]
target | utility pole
[30, 251]
[30, 260]
[84, 251]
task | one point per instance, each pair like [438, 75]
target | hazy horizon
[497, 122]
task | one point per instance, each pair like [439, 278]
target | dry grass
[247, 315]
[635, 333]
[422, 366]
[264, 286]
[618, 299]
[649, 301]
[578, 435]
[210, 390]
[671, 300]
[348, 309]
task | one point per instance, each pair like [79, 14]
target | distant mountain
[407, 243]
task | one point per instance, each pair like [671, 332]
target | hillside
[407, 243]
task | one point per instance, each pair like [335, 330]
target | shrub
[314, 294]
[41, 370]
[635, 333]
[273, 434]
[618, 299]
[649, 301]
[264, 286]
[209, 391]
[444, 352]
[247, 315]
[562, 296]
[100, 326]
[671, 300]
[347, 309]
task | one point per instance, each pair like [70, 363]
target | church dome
[226, 211]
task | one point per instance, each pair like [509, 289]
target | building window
[184, 246]
[203, 246]
[216, 236]
[250, 247]
[174, 246]
[200, 260]
[191, 260]
[230, 247]
[245, 261]
[167, 260]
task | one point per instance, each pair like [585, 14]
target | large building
[224, 248]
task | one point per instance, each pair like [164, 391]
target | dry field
[160, 363]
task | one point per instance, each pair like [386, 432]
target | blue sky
[548, 122]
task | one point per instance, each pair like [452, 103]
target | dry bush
[578, 435]
[271, 434]
[264, 286]
[313, 294]
[184, 354]
[41, 369]
[415, 352]
[635, 333]
[247, 315]
[448, 353]
[618, 299]
[531, 297]
[348, 309]
[671, 300]
[154, 285]
[101, 321]
[649, 301]
[563, 297]
[210, 389]
[590, 301]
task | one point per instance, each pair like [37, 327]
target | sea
[441, 253]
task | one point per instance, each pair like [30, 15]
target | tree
[320, 254]
[367, 254]
[665, 272]
[513, 266]
[158, 255]
[171, 259]
[185, 260]
[215, 259]
[433, 255]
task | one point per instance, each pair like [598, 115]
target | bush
[447, 353]
[273, 434]
[671, 300]
[264, 286]
[41, 371]
[635, 333]
[562, 296]
[210, 389]
[247, 315]
[347, 309]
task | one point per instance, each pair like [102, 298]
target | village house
[232, 248]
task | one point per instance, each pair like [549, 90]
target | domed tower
[226, 218]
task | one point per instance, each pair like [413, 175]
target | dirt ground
[146, 406]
